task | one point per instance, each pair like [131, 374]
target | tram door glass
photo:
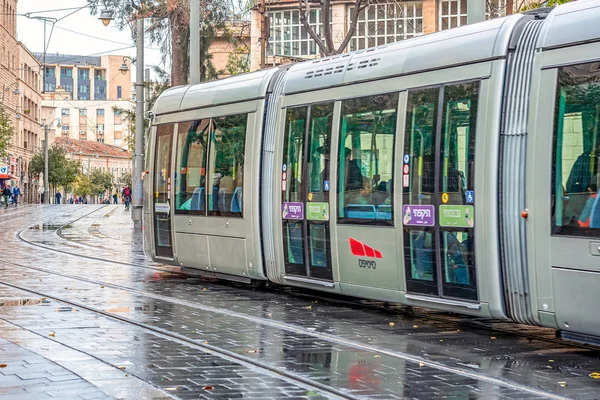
[575, 173]
[305, 196]
[438, 193]
[162, 191]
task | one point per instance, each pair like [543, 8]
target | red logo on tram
[360, 249]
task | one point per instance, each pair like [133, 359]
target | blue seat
[236, 201]
[360, 211]
[222, 199]
[197, 199]
[384, 212]
[595, 215]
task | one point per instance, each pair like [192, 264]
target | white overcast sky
[106, 40]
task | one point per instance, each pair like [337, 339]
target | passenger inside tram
[576, 155]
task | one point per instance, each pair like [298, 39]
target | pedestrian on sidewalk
[58, 196]
[6, 194]
[115, 198]
[16, 194]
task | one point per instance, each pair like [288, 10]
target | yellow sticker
[310, 197]
[444, 198]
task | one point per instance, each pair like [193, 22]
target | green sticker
[317, 211]
[457, 216]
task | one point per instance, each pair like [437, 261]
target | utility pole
[194, 41]
[263, 34]
[475, 11]
[46, 199]
[138, 155]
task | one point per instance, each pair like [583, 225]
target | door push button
[595, 248]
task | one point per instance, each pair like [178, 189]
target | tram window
[458, 260]
[419, 144]
[191, 167]
[457, 150]
[226, 164]
[321, 116]
[293, 153]
[575, 173]
[366, 160]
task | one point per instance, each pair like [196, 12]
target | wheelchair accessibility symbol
[469, 196]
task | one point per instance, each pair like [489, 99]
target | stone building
[381, 22]
[87, 94]
[95, 155]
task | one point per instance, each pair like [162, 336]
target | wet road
[79, 295]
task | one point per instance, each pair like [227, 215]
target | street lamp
[124, 68]
[46, 129]
[105, 17]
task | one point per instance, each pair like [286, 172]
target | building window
[64, 128]
[64, 111]
[68, 87]
[99, 75]
[100, 112]
[119, 92]
[83, 112]
[453, 13]
[84, 73]
[100, 140]
[384, 23]
[118, 112]
[50, 73]
[288, 36]
[66, 73]
[100, 128]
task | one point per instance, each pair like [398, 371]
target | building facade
[88, 95]
[381, 22]
[94, 155]
[29, 133]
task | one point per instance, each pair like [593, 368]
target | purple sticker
[292, 210]
[418, 215]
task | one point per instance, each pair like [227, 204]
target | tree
[83, 186]
[101, 182]
[525, 5]
[6, 131]
[169, 28]
[326, 45]
[61, 170]
[125, 179]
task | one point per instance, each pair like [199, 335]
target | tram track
[291, 377]
[292, 328]
[409, 358]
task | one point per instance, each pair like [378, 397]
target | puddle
[14, 302]
[45, 227]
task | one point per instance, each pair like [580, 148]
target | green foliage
[6, 131]
[61, 171]
[238, 62]
[101, 182]
[125, 179]
[83, 186]
[549, 3]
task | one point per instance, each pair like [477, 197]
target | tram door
[438, 197]
[162, 191]
[305, 197]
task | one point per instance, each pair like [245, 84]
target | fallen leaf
[204, 289]
[421, 364]
[550, 360]
[102, 287]
[562, 384]
[441, 340]
[593, 375]
[251, 351]
[309, 307]
[415, 326]
[2, 365]
[121, 367]
[43, 298]
[206, 342]
[392, 324]
[52, 334]
[207, 388]
[377, 356]
[493, 337]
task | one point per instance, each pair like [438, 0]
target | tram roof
[571, 23]
[469, 44]
[234, 89]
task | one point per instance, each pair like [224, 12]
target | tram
[456, 171]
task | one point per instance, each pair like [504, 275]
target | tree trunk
[178, 76]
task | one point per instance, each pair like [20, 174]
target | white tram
[456, 171]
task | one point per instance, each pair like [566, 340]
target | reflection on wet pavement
[353, 349]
